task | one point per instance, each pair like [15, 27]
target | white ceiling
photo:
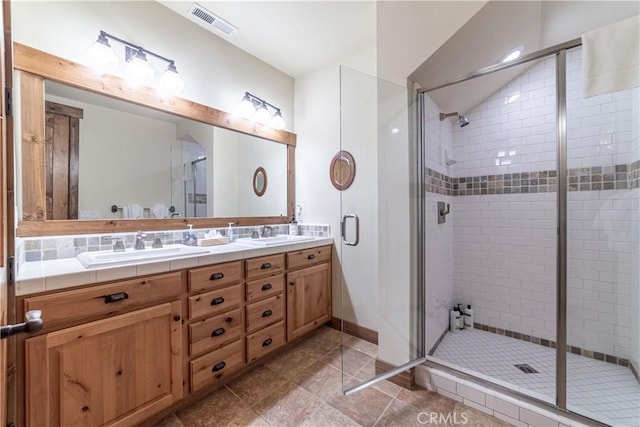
[497, 28]
[295, 37]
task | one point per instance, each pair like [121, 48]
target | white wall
[215, 72]
[125, 158]
[253, 153]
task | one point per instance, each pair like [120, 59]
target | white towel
[125, 212]
[136, 211]
[160, 211]
[611, 57]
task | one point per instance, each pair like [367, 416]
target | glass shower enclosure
[541, 239]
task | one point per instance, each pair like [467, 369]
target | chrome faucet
[157, 241]
[266, 231]
[140, 241]
[118, 246]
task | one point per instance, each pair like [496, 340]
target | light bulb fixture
[255, 108]
[138, 71]
[101, 57]
[277, 122]
[171, 83]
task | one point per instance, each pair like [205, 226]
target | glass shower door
[381, 304]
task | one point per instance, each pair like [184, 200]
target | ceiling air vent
[211, 20]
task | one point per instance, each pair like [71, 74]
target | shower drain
[526, 368]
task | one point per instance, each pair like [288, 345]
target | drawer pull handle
[266, 287]
[218, 366]
[312, 256]
[217, 301]
[217, 332]
[120, 296]
[216, 276]
[267, 313]
[265, 265]
[267, 342]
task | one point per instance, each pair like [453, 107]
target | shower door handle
[343, 229]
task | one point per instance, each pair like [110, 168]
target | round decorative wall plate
[342, 170]
[260, 181]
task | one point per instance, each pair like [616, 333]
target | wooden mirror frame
[35, 66]
[260, 192]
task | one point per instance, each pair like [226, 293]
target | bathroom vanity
[122, 351]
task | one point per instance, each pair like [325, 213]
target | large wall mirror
[97, 156]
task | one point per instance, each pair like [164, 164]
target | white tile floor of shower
[602, 391]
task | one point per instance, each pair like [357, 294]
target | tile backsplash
[59, 247]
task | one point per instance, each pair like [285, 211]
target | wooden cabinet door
[115, 371]
[308, 299]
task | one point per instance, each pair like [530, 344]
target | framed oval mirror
[342, 170]
[259, 181]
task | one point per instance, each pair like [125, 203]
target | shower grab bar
[343, 230]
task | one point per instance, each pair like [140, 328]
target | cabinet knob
[267, 313]
[120, 296]
[216, 276]
[292, 283]
[311, 256]
[218, 366]
[176, 317]
[265, 265]
[217, 301]
[266, 287]
[267, 342]
[217, 332]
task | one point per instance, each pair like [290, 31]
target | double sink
[110, 258]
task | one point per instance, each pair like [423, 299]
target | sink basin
[110, 258]
[275, 240]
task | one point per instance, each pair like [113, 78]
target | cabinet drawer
[100, 300]
[263, 313]
[214, 276]
[214, 366]
[264, 266]
[215, 331]
[215, 302]
[308, 257]
[266, 287]
[265, 341]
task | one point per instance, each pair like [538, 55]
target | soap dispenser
[230, 232]
[190, 238]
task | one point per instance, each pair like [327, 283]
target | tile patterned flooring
[302, 386]
[600, 390]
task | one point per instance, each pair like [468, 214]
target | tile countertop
[41, 276]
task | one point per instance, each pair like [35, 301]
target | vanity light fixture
[102, 58]
[257, 109]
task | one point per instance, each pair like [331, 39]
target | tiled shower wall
[505, 244]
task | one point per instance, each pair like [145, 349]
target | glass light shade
[138, 71]
[171, 83]
[277, 122]
[246, 107]
[262, 115]
[101, 57]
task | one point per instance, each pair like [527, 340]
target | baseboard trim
[406, 379]
[352, 329]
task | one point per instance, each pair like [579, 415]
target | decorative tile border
[552, 344]
[618, 177]
[41, 249]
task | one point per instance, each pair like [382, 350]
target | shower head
[462, 120]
